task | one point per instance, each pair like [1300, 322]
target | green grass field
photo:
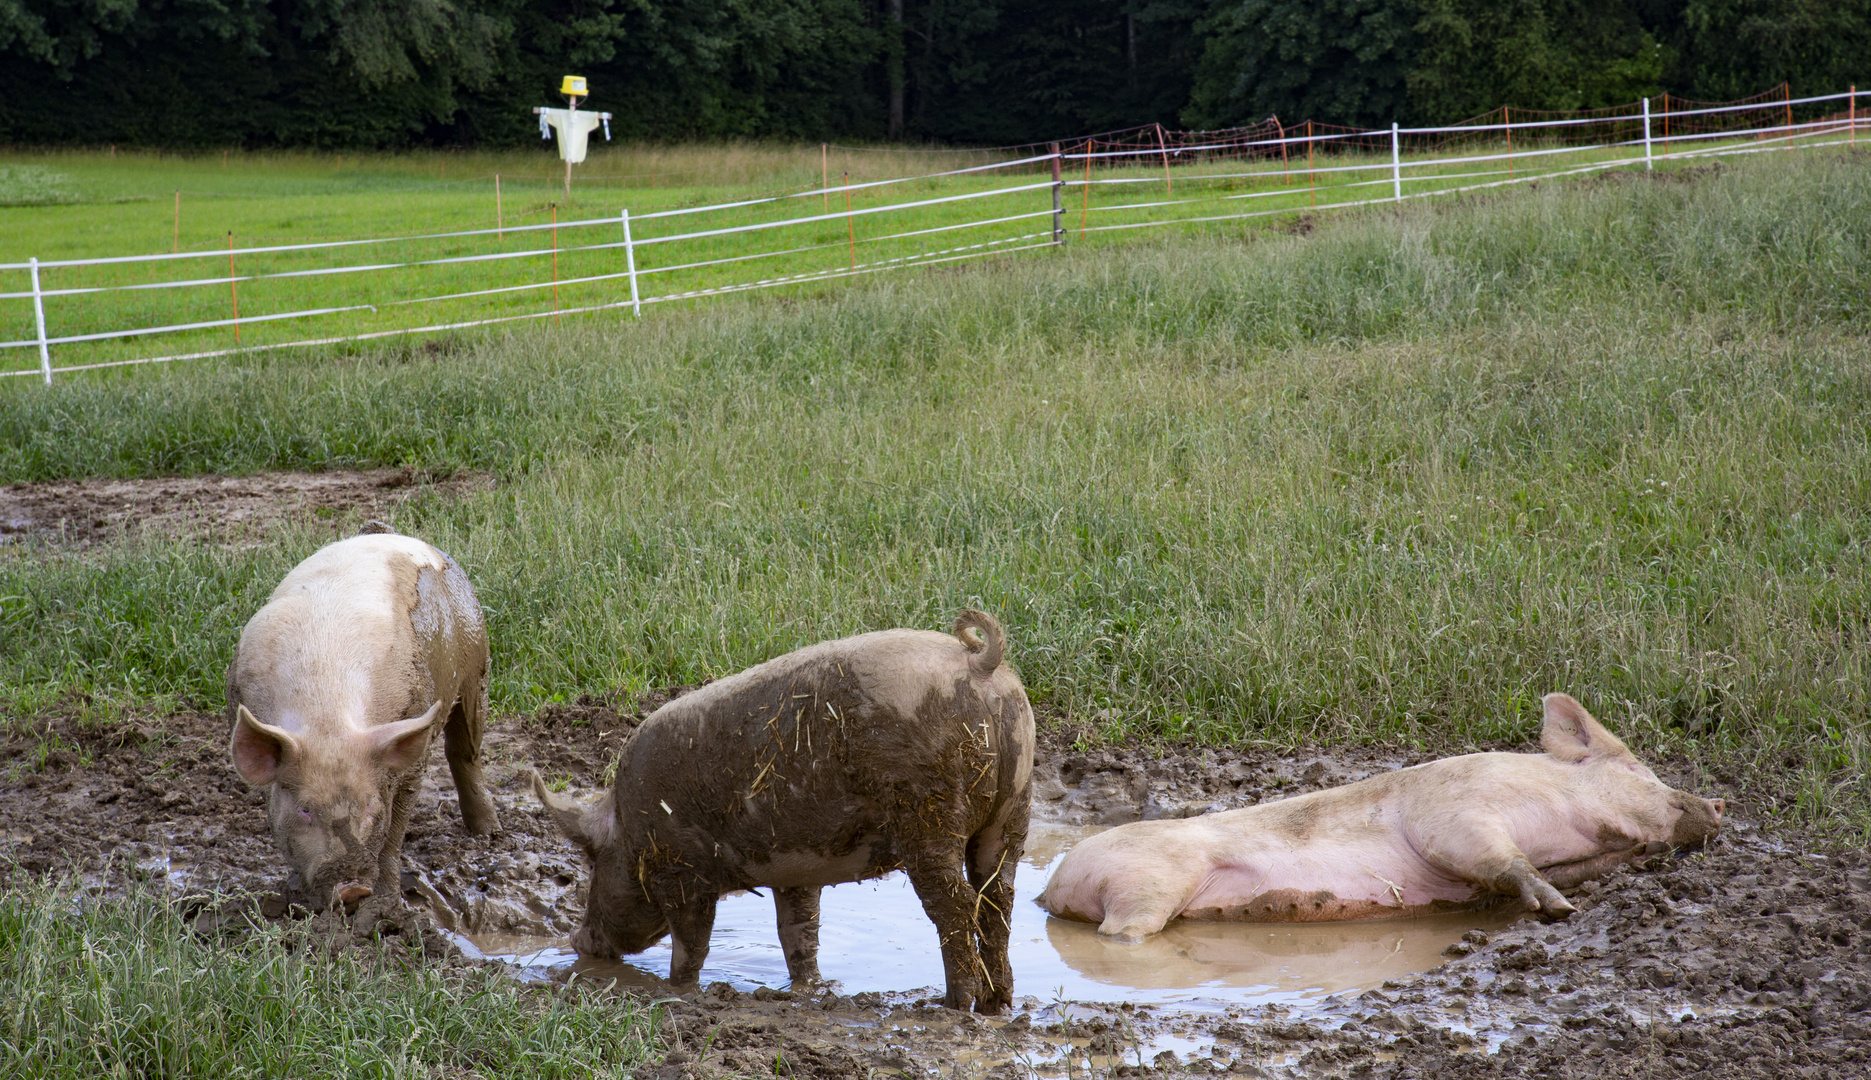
[551, 255]
[127, 987]
[1391, 480]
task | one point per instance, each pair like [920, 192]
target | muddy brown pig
[840, 762]
[361, 653]
[1444, 834]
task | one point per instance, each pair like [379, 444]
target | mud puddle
[1749, 959]
[875, 938]
[78, 513]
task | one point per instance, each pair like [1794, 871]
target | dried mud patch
[1750, 958]
[223, 509]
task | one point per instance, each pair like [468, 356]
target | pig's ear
[399, 747]
[259, 750]
[590, 827]
[1571, 734]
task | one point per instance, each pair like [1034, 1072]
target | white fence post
[1058, 213]
[630, 261]
[38, 311]
[1396, 166]
[1647, 163]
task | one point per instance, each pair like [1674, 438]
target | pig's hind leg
[798, 911]
[943, 889]
[992, 861]
[1138, 913]
[462, 741]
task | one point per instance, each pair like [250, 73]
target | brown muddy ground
[1751, 958]
[223, 509]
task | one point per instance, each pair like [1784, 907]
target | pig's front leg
[798, 910]
[1573, 874]
[386, 894]
[691, 924]
[1522, 880]
[1479, 848]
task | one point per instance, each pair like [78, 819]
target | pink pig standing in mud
[1435, 836]
[339, 681]
[839, 762]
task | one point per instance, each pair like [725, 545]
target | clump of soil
[1751, 958]
[225, 509]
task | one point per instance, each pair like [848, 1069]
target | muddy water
[875, 937]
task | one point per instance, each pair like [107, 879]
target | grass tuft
[125, 987]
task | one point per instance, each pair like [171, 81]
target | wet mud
[1749, 958]
[224, 509]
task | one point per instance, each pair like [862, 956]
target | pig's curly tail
[988, 645]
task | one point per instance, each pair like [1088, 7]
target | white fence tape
[1416, 170]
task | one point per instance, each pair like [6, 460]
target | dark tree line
[386, 73]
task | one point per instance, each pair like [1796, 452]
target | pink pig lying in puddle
[1427, 838]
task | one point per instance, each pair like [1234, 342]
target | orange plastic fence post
[1851, 114]
[1788, 87]
[233, 290]
[1285, 164]
[1085, 212]
[1666, 124]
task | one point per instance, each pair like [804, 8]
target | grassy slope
[124, 987]
[1390, 481]
[90, 204]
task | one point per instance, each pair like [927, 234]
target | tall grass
[1393, 480]
[125, 987]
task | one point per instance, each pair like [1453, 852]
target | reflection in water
[1320, 958]
[874, 936]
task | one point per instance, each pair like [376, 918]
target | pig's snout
[1700, 819]
[353, 893]
[325, 888]
[590, 941]
[313, 895]
[611, 941]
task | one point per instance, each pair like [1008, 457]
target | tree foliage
[1339, 61]
[1476, 55]
[382, 73]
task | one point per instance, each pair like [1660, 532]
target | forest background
[403, 73]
